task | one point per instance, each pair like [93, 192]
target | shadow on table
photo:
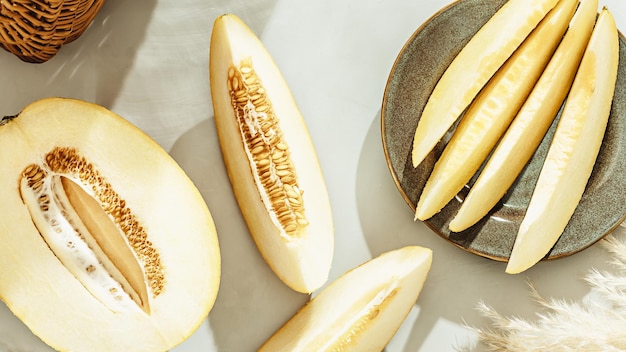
[457, 280]
[15, 335]
[91, 68]
[252, 302]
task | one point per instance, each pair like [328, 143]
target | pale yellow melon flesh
[300, 255]
[361, 310]
[106, 244]
[470, 70]
[573, 150]
[490, 114]
[531, 123]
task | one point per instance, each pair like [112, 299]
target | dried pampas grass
[596, 323]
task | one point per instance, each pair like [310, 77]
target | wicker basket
[34, 30]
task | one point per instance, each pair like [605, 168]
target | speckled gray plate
[418, 66]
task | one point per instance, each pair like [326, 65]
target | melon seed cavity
[269, 155]
[89, 228]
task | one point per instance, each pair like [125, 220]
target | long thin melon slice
[531, 123]
[477, 62]
[573, 150]
[490, 114]
[361, 310]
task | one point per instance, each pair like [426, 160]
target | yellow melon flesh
[361, 310]
[573, 150]
[270, 158]
[470, 70]
[106, 244]
[488, 117]
[531, 123]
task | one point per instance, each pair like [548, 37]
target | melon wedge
[361, 310]
[573, 150]
[470, 70]
[490, 114]
[270, 158]
[531, 123]
[106, 243]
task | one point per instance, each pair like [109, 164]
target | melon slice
[573, 150]
[270, 158]
[106, 243]
[531, 123]
[490, 114]
[470, 70]
[361, 310]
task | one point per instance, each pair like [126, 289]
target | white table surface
[147, 61]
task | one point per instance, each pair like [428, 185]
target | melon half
[106, 244]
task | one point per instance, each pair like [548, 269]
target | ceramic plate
[418, 66]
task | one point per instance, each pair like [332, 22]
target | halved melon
[106, 243]
[270, 158]
[362, 309]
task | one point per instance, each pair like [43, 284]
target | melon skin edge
[41, 292]
[301, 262]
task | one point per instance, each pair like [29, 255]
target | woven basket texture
[34, 30]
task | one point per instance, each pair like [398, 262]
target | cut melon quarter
[470, 70]
[573, 150]
[270, 158]
[102, 249]
[361, 310]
